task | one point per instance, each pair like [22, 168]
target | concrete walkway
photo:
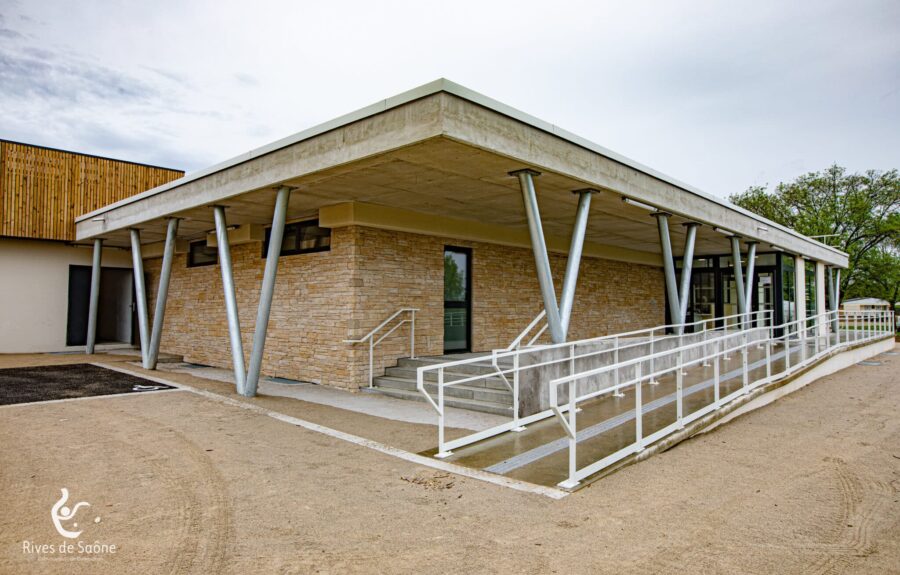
[362, 402]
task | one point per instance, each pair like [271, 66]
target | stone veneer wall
[324, 298]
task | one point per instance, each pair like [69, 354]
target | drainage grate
[869, 363]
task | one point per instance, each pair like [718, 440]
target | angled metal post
[140, 292]
[687, 266]
[748, 280]
[268, 288]
[574, 262]
[541, 259]
[833, 282]
[662, 222]
[738, 275]
[94, 301]
[234, 323]
[162, 294]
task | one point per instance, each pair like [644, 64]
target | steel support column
[738, 275]
[539, 247]
[95, 296]
[665, 242]
[687, 266]
[574, 262]
[234, 324]
[162, 294]
[748, 279]
[140, 293]
[265, 295]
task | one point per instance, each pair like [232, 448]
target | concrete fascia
[268, 165]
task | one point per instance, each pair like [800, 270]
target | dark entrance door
[115, 314]
[457, 299]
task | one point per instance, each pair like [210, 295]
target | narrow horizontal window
[302, 238]
[200, 254]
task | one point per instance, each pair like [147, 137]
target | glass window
[200, 254]
[302, 238]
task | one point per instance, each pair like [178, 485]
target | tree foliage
[856, 213]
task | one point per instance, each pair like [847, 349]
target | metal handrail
[516, 342]
[866, 327]
[761, 317]
[370, 337]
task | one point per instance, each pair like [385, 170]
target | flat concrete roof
[444, 150]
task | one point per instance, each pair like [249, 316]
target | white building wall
[34, 291]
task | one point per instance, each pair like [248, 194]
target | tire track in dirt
[204, 515]
[860, 502]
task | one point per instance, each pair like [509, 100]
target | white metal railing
[410, 318]
[517, 343]
[509, 366]
[816, 336]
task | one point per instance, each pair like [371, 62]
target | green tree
[878, 275]
[855, 213]
[454, 280]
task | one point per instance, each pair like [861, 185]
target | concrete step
[500, 397]
[457, 402]
[410, 373]
[479, 368]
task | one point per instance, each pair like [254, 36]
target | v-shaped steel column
[162, 294]
[94, 302]
[738, 274]
[231, 310]
[265, 294]
[834, 285]
[558, 315]
[140, 291]
[748, 279]
[687, 267]
[677, 298]
[573, 264]
[247, 382]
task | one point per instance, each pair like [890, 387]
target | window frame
[190, 256]
[297, 251]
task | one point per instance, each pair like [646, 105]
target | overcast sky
[721, 95]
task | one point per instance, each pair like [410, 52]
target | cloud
[718, 95]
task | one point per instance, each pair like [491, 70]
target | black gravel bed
[46, 383]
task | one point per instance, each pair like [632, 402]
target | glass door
[457, 299]
[702, 299]
[764, 298]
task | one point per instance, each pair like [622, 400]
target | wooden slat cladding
[42, 190]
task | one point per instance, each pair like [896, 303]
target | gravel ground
[184, 484]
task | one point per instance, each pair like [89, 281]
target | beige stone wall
[309, 319]
[323, 298]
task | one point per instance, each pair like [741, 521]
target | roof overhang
[443, 151]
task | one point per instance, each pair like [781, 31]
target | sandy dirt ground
[185, 484]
